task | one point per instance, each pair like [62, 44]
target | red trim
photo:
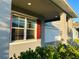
[11, 23]
[38, 29]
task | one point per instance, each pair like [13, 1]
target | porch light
[56, 16]
[29, 4]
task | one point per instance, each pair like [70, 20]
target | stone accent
[63, 27]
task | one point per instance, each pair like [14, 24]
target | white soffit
[66, 7]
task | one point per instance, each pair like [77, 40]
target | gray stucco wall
[52, 32]
[5, 9]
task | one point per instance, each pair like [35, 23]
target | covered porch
[46, 11]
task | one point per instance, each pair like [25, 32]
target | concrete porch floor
[17, 48]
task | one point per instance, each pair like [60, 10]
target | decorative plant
[29, 54]
[60, 52]
[68, 52]
[45, 52]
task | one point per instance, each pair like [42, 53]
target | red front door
[38, 29]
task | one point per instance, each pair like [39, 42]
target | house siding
[5, 10]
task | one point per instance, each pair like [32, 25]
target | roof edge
[71, 8]
[66, 7]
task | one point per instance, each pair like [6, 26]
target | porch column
[70, 33]
[42, 33]
[63, 28]
[5, 14]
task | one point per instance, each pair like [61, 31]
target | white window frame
[25, 31]
[25, 27]
[18, 26]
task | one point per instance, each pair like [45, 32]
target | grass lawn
[76, 40]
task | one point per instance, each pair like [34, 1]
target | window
[21, 22]
[17, 28]
[30, 24]
[30, 29]
[30, 34]
[14, 21]
[17, 34]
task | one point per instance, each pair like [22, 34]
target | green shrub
[45, 52]
[61, 52]
[29, 54]
[68, 52]
[76, 40]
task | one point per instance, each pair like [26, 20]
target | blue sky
[75, 5]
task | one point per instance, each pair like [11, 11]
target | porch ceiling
[42, 7]
[47, 8]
